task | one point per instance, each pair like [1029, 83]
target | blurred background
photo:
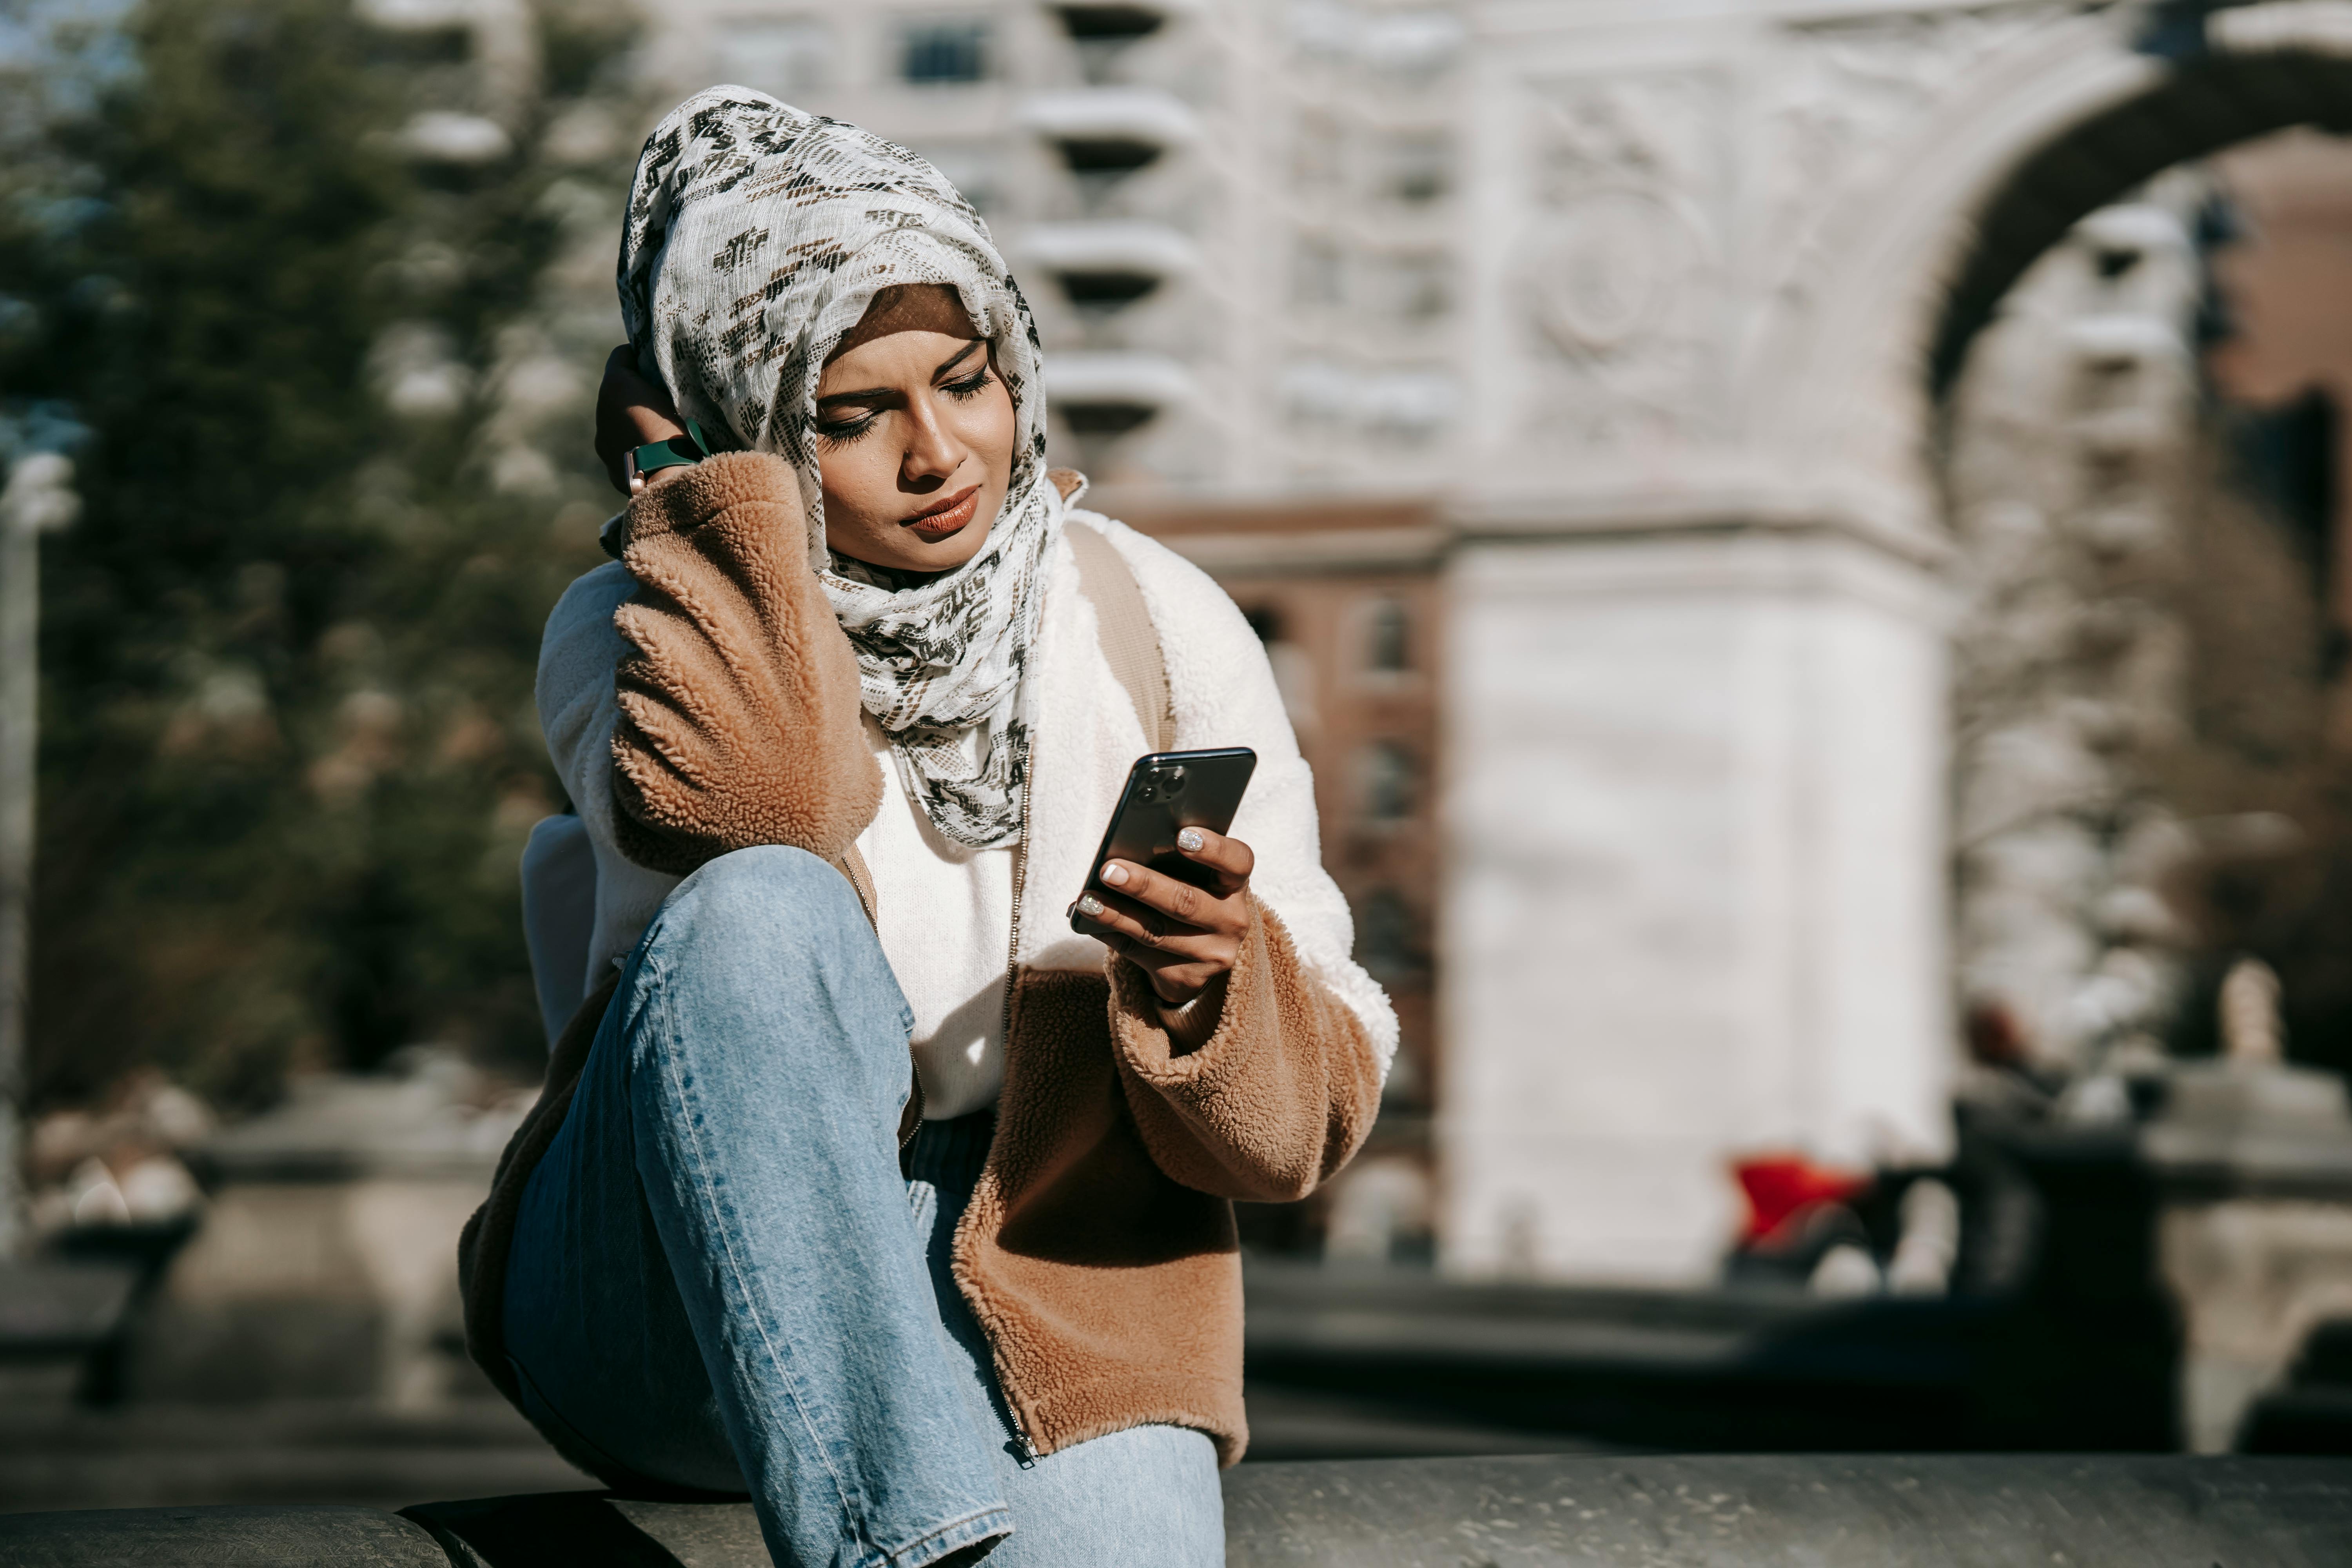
[1805, 543]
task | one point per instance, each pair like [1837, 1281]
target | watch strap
[655, 456]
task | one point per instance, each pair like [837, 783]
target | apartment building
[1237, 221]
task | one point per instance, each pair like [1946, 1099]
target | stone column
[38, 498]
[1695, 900]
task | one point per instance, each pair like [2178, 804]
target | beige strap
[853, 865]
[1130, 643]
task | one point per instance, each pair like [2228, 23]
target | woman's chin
[901, 546]
[904, 550]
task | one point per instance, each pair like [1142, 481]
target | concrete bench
[1763, 1511]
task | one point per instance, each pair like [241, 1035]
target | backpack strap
[861, 881]
[1130, 643]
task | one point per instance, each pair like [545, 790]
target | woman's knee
[772, 939]
[770, 898]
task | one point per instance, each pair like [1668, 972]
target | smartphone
[1171, 790]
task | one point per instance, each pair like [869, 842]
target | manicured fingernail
[1189, 840]
[1114, 875]
[1089, 905]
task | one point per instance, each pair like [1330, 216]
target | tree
[336, 472]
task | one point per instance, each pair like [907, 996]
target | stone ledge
[245, 1536]
[1953, 1510]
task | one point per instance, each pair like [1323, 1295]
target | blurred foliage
[335, 472]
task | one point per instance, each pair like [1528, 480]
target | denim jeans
[721, 1279]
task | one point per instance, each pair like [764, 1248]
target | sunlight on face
[915, 432]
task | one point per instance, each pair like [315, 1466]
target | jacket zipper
[1019, 884]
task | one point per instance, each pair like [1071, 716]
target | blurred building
[2288, 349]
[1242, 223]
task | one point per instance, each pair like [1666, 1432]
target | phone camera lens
[1162, 785]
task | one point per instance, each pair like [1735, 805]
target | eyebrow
[945, 365]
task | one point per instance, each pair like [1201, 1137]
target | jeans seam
[961, 1528]
[850, 1512]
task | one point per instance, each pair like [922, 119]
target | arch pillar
[1695, 902]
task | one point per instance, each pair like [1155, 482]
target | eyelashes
[970, 387]
[841, 432]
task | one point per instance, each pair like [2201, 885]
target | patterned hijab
[757, 236]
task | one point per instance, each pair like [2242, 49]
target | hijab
[757, 236]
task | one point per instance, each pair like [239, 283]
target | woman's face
[915, 435]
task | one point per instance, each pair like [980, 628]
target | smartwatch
[655, 456]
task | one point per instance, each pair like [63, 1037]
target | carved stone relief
[1844, 100]
[1621, 268]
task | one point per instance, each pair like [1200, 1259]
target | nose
[932, 453]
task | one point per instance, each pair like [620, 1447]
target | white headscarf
[757, 236]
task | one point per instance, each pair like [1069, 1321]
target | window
[1406, 404]
[1416, 166]
[787, 57]
[1413, 45]
[1386, 940]
[1384, 773]
[1388, 644]
[1412, 287]
[1319, 393]
[945, 52]
[1317, 273]
[1316, 156]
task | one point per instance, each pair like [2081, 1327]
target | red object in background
[1781, 1186]
[1995, 1037]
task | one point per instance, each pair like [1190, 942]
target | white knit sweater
[944, 912]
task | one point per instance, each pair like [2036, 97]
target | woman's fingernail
[1189, 840]
[1114, 875]
[1089, 905]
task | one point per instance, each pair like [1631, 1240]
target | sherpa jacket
[699, 699]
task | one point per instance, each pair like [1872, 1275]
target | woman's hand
[1181, 936]
[631, 412]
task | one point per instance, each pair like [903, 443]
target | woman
[844, 733]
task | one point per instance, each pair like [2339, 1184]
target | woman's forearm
[738, 700]
[1275, 1099]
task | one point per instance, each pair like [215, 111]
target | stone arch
[2201, 106]
[2088, 841]
[2033, 136]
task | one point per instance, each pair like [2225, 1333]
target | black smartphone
[1168, 791]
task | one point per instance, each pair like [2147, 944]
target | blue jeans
[721, 1280]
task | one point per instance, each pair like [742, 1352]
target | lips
[948, 517]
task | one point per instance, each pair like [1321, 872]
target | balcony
[1102, 33]
[1108, 266]
[1106, 133]
[1104, 394]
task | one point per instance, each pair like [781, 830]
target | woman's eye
[969, 386]
[840, 431]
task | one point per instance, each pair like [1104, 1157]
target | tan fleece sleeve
[1189, 1027]
[1278, 1097]
[738, 702]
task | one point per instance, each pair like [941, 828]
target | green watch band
[655, 456]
